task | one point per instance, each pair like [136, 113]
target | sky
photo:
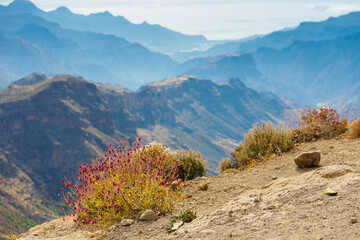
[215, 19]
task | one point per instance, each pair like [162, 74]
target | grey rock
[126, 222]
[308, 159]
[177, 225]
[149, 215]
[204, 187]
[331, 192]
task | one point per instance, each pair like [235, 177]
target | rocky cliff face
[49, 125]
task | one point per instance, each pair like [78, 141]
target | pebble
[177, 225]
[126, 222]
[330, 192]
[353, 220]
[274, 177]
[204, 187]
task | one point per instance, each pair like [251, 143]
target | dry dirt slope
[274, 200]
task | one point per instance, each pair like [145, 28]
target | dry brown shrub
[354, 128]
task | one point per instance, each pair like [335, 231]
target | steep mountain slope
[312, 71]
[48, 125]
[154, 37]
[273, 200]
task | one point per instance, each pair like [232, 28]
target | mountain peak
[62, 10]
[102, 14]
[23, 6]
[32, 79]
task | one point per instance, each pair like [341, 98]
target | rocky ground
[273, 200]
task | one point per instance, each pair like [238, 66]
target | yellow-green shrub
[225, 164]
[316, 123]
[354, 128]
[191, 164]
[125, 181]
[261, 143]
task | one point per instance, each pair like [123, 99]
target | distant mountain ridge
[314, 63]
[154, 37]
[331, 28]
[99, 57]
[51, 124]
[315, 71]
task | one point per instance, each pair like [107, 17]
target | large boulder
[308, 159]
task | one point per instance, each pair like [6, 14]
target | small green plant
[261, 143]
[11, 237]
[319, 123]
[185, 216]
[191, 164]
[354, 128]
[125, 181]
[226, 165]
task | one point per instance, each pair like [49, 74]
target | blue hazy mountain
[99, 57]
[306, 71]
[307, 31]
[310, 63]
[154, 37]
[314, 70]
[331, 28]
[223, 67]
[19, 57]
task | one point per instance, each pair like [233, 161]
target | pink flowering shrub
[125, 181]
[316, 123]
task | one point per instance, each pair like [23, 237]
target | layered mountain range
[49, 125]
[304, 63]
[314, 63]
[60, 42]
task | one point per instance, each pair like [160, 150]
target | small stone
[204, 186]
[126, 222]
[187, 195]
[274, 177]
[353, 220]
[230, 213]
[308, 159]
[177, 225]
[331, 192]
[149, 215]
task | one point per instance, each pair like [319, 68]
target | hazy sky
[215, 19]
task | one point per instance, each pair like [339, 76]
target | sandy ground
[273, 200]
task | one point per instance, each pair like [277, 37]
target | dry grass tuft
[354, 128]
